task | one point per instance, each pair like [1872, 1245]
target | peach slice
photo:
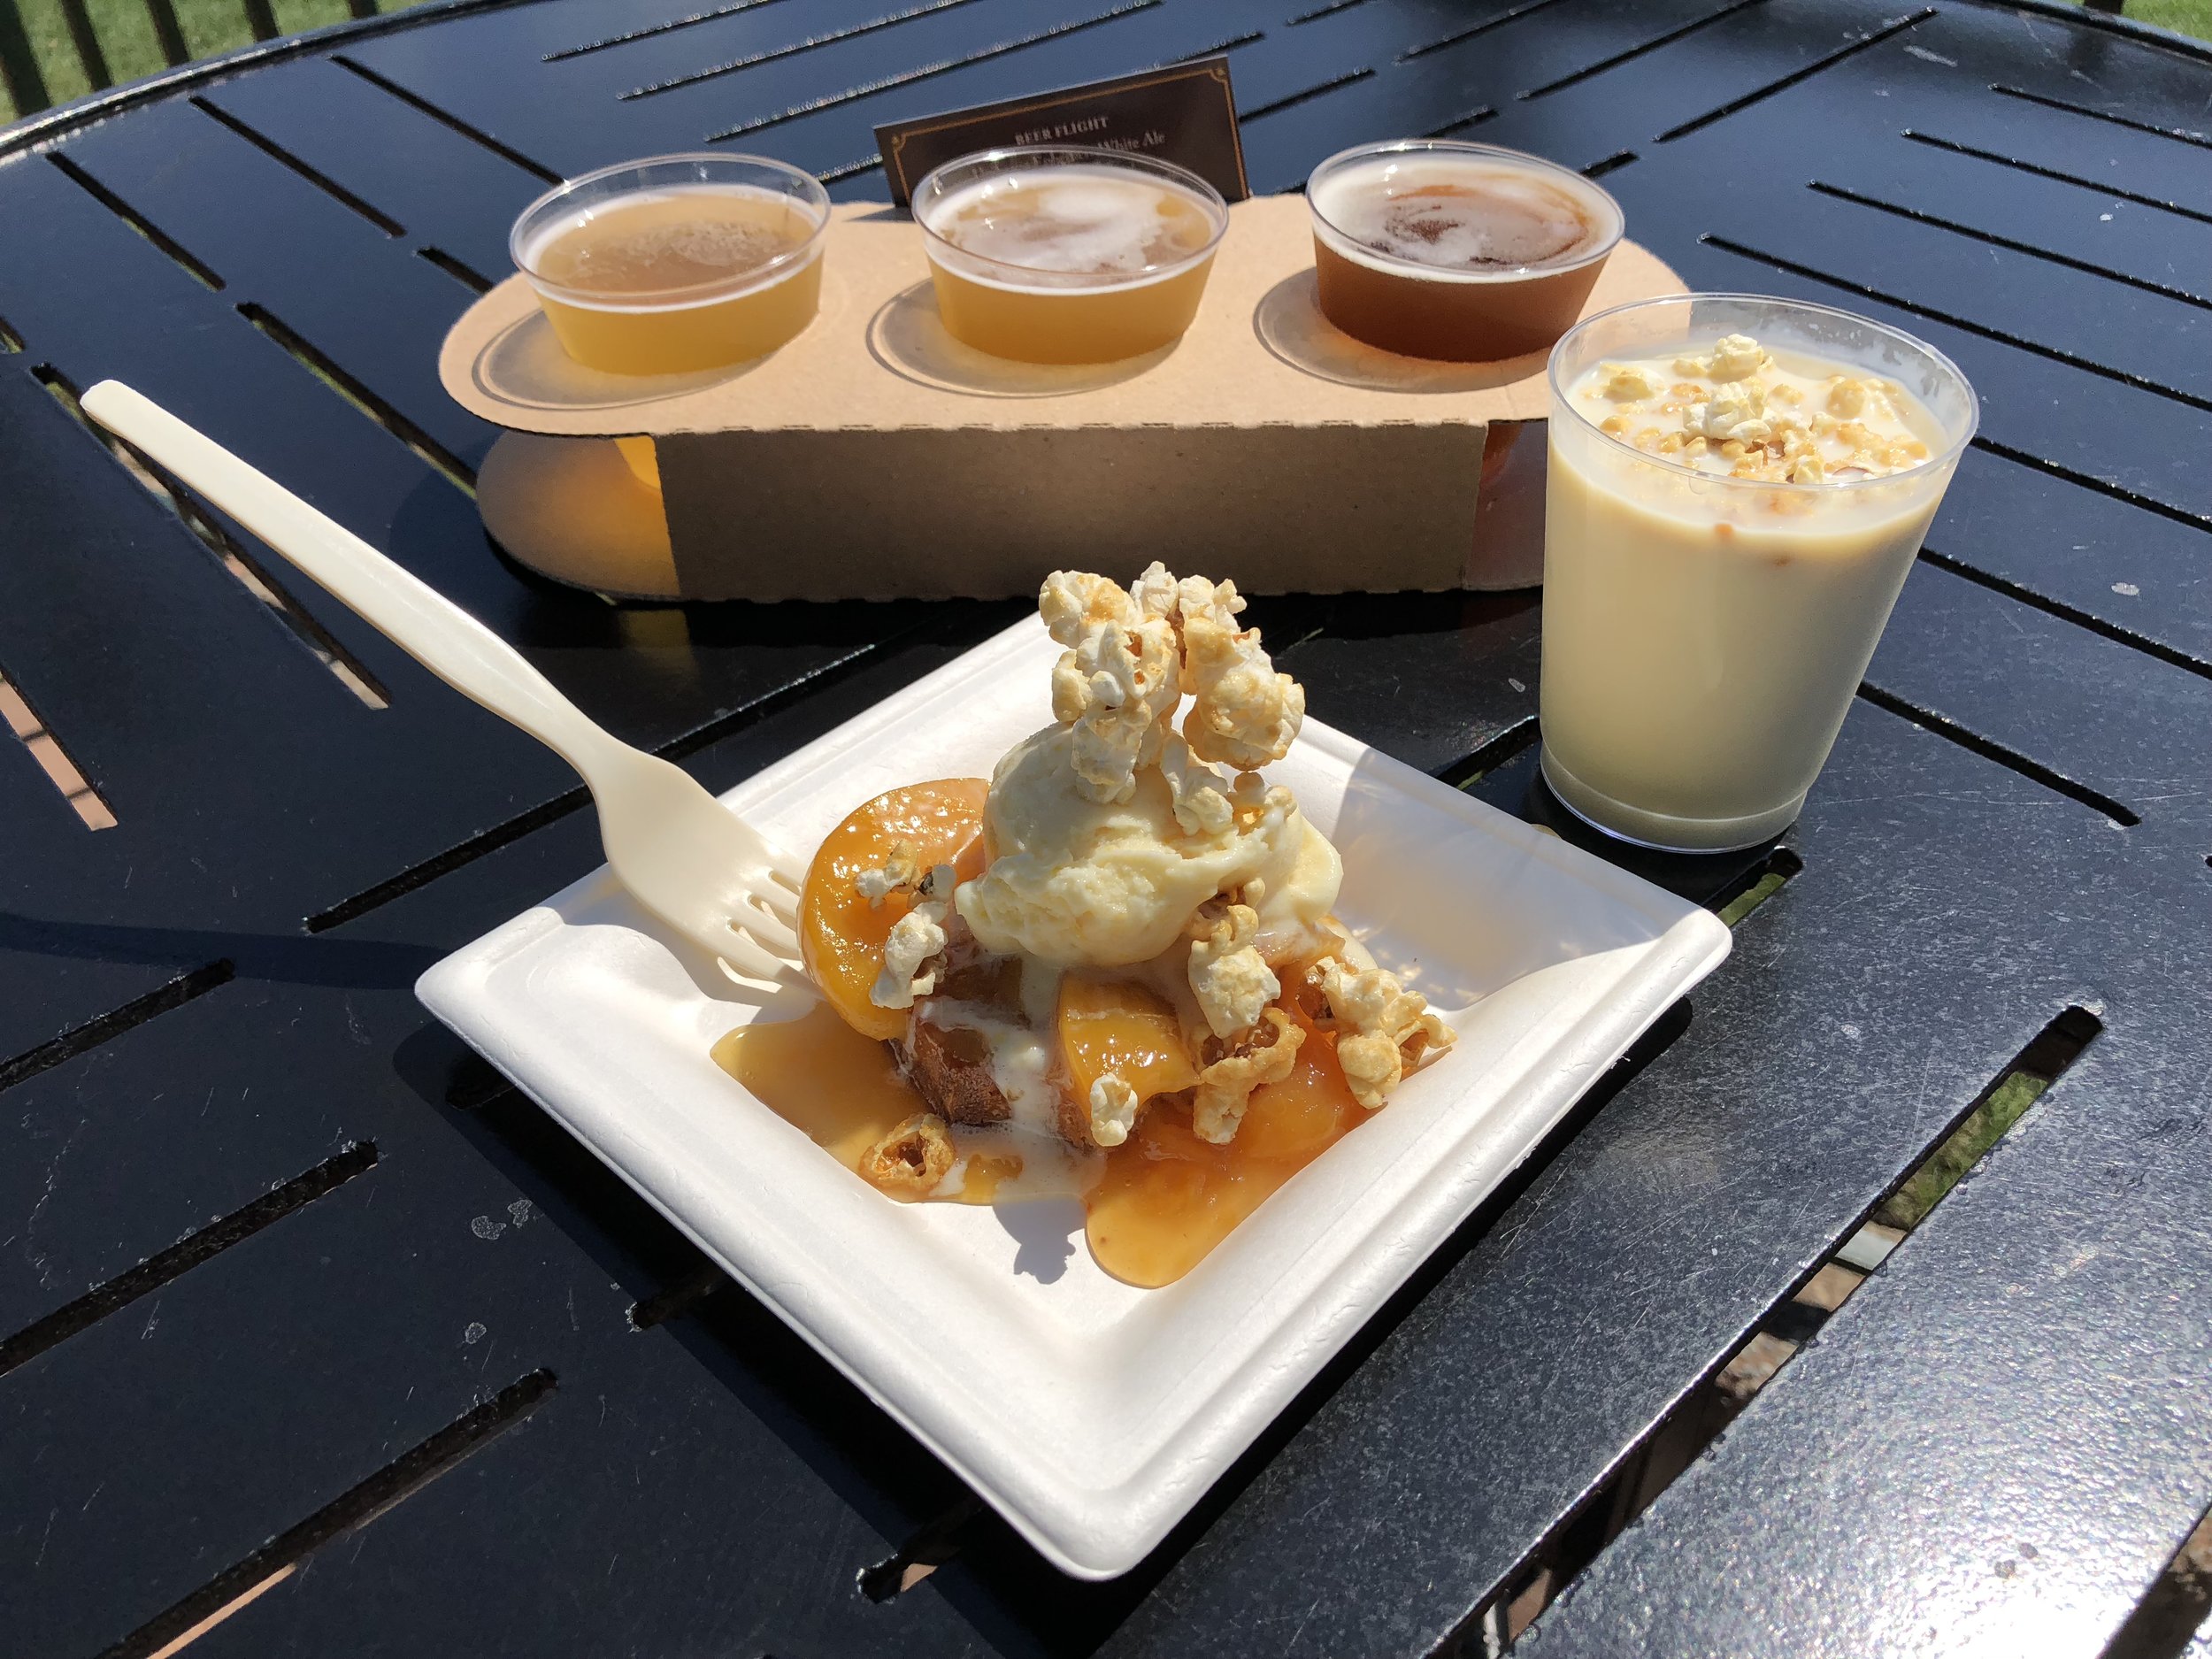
[1302, 1116]
[841, 933]
[1168, 1198]
[1114, 1026]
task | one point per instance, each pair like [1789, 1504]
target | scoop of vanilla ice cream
[1076, 881]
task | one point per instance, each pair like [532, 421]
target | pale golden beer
[678, 264]
[1465, 253]
[1066, 254]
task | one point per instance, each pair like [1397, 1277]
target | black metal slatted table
[313, 1322]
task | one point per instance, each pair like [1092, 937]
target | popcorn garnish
[1627, 383]
[1264, 1054]
[1738, 413]
[1387, 1028]
[910, 1161]
[1735, 357]
[1243, 714]
[1133, 653]
[1119, 681]
[900, 873]
[915, 938]
[1113, 1105]
[1230, 980]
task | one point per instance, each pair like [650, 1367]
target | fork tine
[755, 961]
[778, 904]
[768, 928]
[789, 870]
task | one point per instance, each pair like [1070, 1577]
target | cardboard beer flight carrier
[875, 457]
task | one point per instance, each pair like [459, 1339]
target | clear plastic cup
[1465, 253]
[676, 263]
[1048, 254]
[1703, 635]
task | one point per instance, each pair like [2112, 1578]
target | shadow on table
[296, 959]
[1015, 1599]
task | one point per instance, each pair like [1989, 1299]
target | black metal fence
[25, 81]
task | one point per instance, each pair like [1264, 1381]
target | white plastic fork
[680, 853]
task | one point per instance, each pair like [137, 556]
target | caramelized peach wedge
[1114, 972]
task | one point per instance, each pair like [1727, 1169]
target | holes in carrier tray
[702, 1281]
[52, 759]
[1695, 1423]
[347, 669]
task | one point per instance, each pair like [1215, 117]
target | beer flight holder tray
[874, 456]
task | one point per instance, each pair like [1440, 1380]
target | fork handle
[415, 616]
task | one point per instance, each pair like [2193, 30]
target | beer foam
[1074, 222]
[1463, 220]
[654, 248]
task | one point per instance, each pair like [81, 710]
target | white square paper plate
[1090, 1414]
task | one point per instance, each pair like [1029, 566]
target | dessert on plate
[1113, 969]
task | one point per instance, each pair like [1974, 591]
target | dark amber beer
[1462, 252]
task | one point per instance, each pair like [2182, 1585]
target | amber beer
[1068, 256]
[677, 264]
[1465, 253]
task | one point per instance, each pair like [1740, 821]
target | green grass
[219, 26]
[1982, 1130]
[2184, 17]
[127, 35]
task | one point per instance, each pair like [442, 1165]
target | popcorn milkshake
[1738, 488]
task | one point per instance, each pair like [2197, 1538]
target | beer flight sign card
[1185, 113]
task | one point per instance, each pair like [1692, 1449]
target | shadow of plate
[1289, 323]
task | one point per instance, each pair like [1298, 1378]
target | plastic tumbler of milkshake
[1738, 488]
